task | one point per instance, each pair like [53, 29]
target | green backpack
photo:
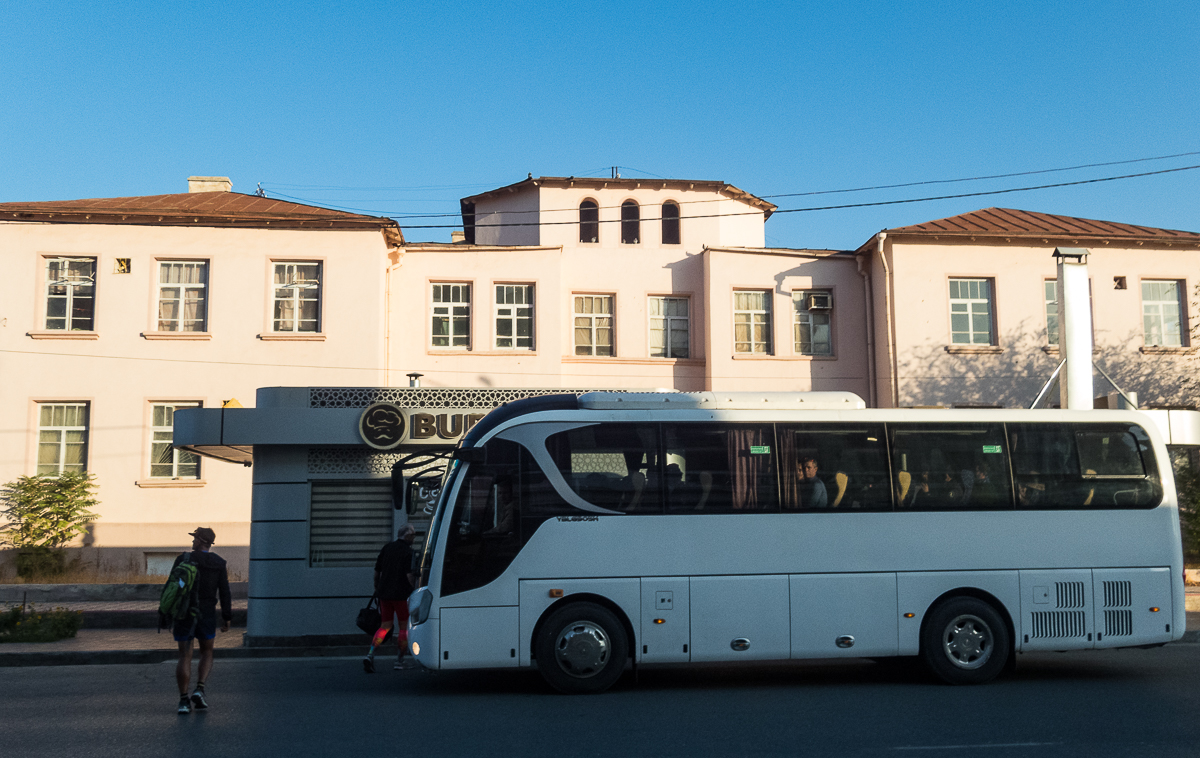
[180, 595]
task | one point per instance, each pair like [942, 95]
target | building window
[670, 224]
[1162, 315]
[451, 315]
[812, 327]
[71, 294]
[631, 223]
[514, 316]
[593, 325]
[1051, 297]
[165, 461]
[62, 438]
[589, 221]
[669, 327]
[752, 322]
[297, 297]
[971, 312]
[182, 296]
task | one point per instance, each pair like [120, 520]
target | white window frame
[591, 319]
[753, 318]
[296, 288]
[71, 283]
[179, 292]
[666, 325]
[973, 305]
[803, 317]
[157, 438]
[450, 303]
[61, 433]
[514, 305]
[1161, 313]
[1050, 296]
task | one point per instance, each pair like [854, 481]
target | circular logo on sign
[381, 426]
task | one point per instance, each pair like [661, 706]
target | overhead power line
[830, 207]
[414, 215]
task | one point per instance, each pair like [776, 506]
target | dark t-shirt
[211, 580]
[394, 563]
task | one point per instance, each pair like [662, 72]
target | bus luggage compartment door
[666, 628]
[479, 637]
[843, 615]
[1057, 610]
[736, 618]
[1133, 606]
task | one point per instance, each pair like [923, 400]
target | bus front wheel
[581, 648]
[965, 641]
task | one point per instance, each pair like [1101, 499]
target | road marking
[990, 744]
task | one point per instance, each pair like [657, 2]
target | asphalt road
[1107, 703]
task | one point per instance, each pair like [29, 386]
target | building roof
[602, 183]
[226, 209]
[1016, 224]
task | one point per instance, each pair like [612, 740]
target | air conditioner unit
[820, 301]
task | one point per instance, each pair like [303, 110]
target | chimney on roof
[457, 236]
[209, 184]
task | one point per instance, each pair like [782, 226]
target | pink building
[116, 312]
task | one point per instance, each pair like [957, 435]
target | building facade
[117, 312]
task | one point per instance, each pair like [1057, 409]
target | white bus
[582, 534]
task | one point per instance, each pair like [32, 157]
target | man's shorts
[398, 609]
[206, 628]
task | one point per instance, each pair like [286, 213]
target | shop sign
[384, 426]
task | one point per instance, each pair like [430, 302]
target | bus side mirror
[470, 454]
[399, 487]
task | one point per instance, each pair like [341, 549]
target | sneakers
[369, 664]
[404, 664]
[185, 705]
[198, 701]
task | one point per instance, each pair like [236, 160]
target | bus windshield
[435, 524]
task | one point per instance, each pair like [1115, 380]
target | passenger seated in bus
[978, 486]
[811, 490]
[1029, 493]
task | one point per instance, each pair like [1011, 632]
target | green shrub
[18, 625]
[43, 514]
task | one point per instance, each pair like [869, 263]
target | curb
[115, 657]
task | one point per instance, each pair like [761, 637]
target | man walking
[211, 579]
[394, 581]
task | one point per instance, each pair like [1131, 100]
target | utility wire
[829, 207]
[715, 200]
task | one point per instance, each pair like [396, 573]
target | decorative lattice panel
[349, 460]
[423, 397]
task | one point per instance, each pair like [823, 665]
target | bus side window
[720, 468]
[1083, 466]
[834, 466]
[614, 466]
[951, 466]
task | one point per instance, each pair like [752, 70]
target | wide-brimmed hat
[204, 534]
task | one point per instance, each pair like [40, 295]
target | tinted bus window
[483, 531]
[834, 466]
[614, 466]
[950, 466]
[1083, 466]
[719, 468]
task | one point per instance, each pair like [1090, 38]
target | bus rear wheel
[581, 648]
[965, 641]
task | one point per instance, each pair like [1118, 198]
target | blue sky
[397, 108]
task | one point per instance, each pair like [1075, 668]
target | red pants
[389, 609]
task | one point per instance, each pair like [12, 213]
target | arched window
[670, 223]
[589, 221]
[630, 223]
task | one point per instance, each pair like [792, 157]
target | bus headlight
[419, 604]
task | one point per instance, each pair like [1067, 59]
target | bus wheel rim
[582, 649]
[968, 641]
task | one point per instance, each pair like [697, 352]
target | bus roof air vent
[748, 401]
